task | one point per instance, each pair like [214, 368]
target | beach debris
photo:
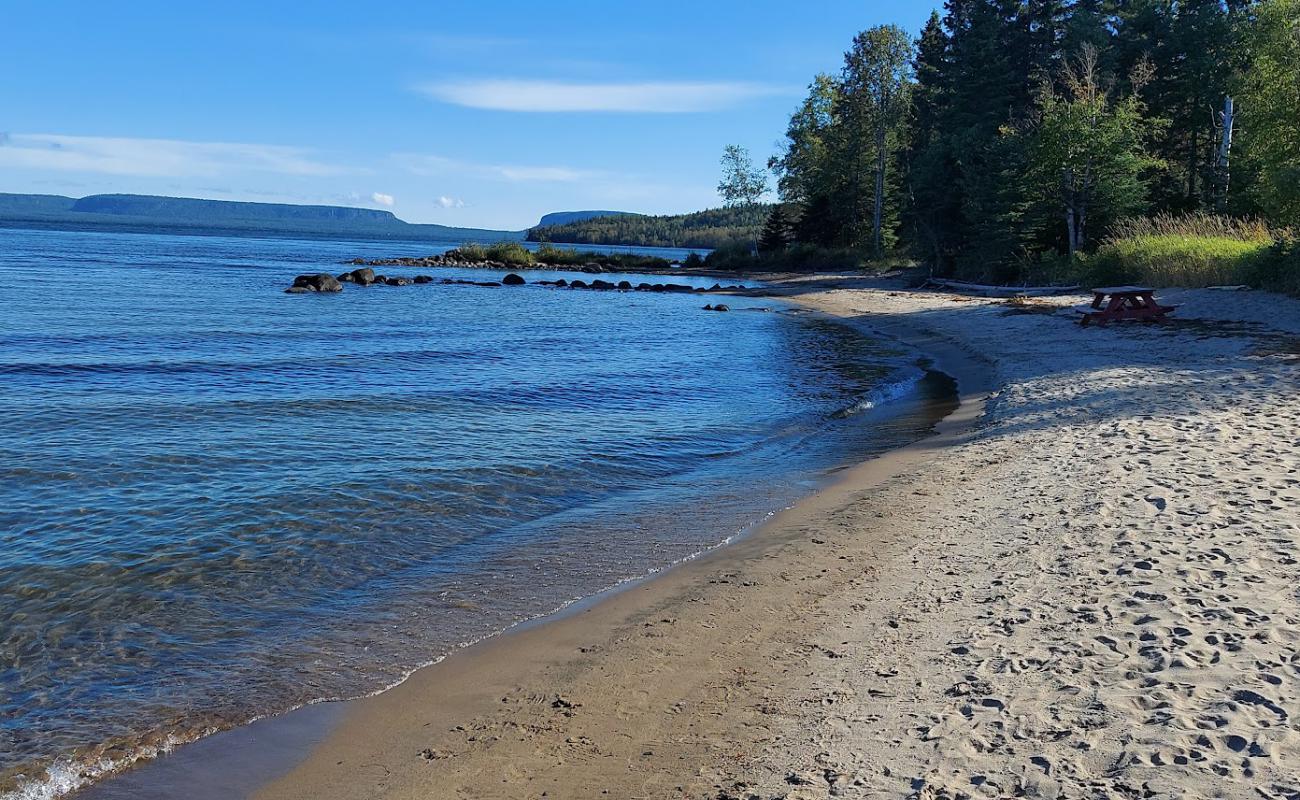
[513, 280]
[320, 282]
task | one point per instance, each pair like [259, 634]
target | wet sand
[1083, 586]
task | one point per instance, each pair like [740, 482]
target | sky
[478, 114]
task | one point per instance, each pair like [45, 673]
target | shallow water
[218, 501]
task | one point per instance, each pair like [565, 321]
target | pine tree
[930, 211]
[776, 233]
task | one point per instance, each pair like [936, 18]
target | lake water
[219, 501]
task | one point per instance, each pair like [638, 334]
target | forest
[718, 227]
[1020, 139]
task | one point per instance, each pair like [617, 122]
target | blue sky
[461, 113]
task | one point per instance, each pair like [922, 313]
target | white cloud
[381, 199]
[451, 202]
[155, 157]
[440, 165]
[653, 97]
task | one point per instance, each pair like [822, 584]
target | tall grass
[1195, 250]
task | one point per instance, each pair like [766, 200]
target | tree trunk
[1223, 159]
[1069, 230]
[878, 213]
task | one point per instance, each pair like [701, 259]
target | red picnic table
[1126, 302]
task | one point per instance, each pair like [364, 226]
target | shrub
[512, 253]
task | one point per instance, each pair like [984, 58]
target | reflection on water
[219, 501]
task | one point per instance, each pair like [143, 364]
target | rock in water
[424, 279]
[363, 277]
[718, 307]
[320, 282]
[624, 286]
[397, 282]
[513, 280]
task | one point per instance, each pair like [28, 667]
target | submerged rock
[423, 279]
[513, 280]
[718, 307]
[396, 281]
[624, 286]
[578, 285]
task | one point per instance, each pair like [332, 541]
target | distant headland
[157, 214]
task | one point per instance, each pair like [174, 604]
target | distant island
[709, 229]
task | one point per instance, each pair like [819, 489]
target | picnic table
[1125, 302]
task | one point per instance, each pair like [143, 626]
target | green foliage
[1270, 108]
[516, 255]
[776, 233]
[742, 183]
[802, 167]
[1086, 155]
[511, 253]
[795, 258]
[839, 161]
[703, 229]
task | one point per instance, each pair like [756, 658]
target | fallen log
[1000, 291]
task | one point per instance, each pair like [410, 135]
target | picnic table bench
[1125, 302]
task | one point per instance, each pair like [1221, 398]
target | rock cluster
[365, 276]
[453, 258]
[320, 282]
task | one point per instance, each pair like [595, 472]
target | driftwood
[1001, 291]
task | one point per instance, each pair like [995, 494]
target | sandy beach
[1083, 586]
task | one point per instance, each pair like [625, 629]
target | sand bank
[1085, 587]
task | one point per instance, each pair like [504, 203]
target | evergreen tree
[776, 232]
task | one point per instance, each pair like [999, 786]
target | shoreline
[221, 760]
[467, 682]
[995, 610]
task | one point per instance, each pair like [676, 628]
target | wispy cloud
[379, 198]
[450, 202]
[155, 157]
[440, 165]
[541, 96]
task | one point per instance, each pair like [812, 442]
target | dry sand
[1089, 591]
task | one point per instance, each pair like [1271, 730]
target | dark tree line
[1010, 131]
[719, 227]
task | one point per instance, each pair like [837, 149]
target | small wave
[67, 775]
[902, 383]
